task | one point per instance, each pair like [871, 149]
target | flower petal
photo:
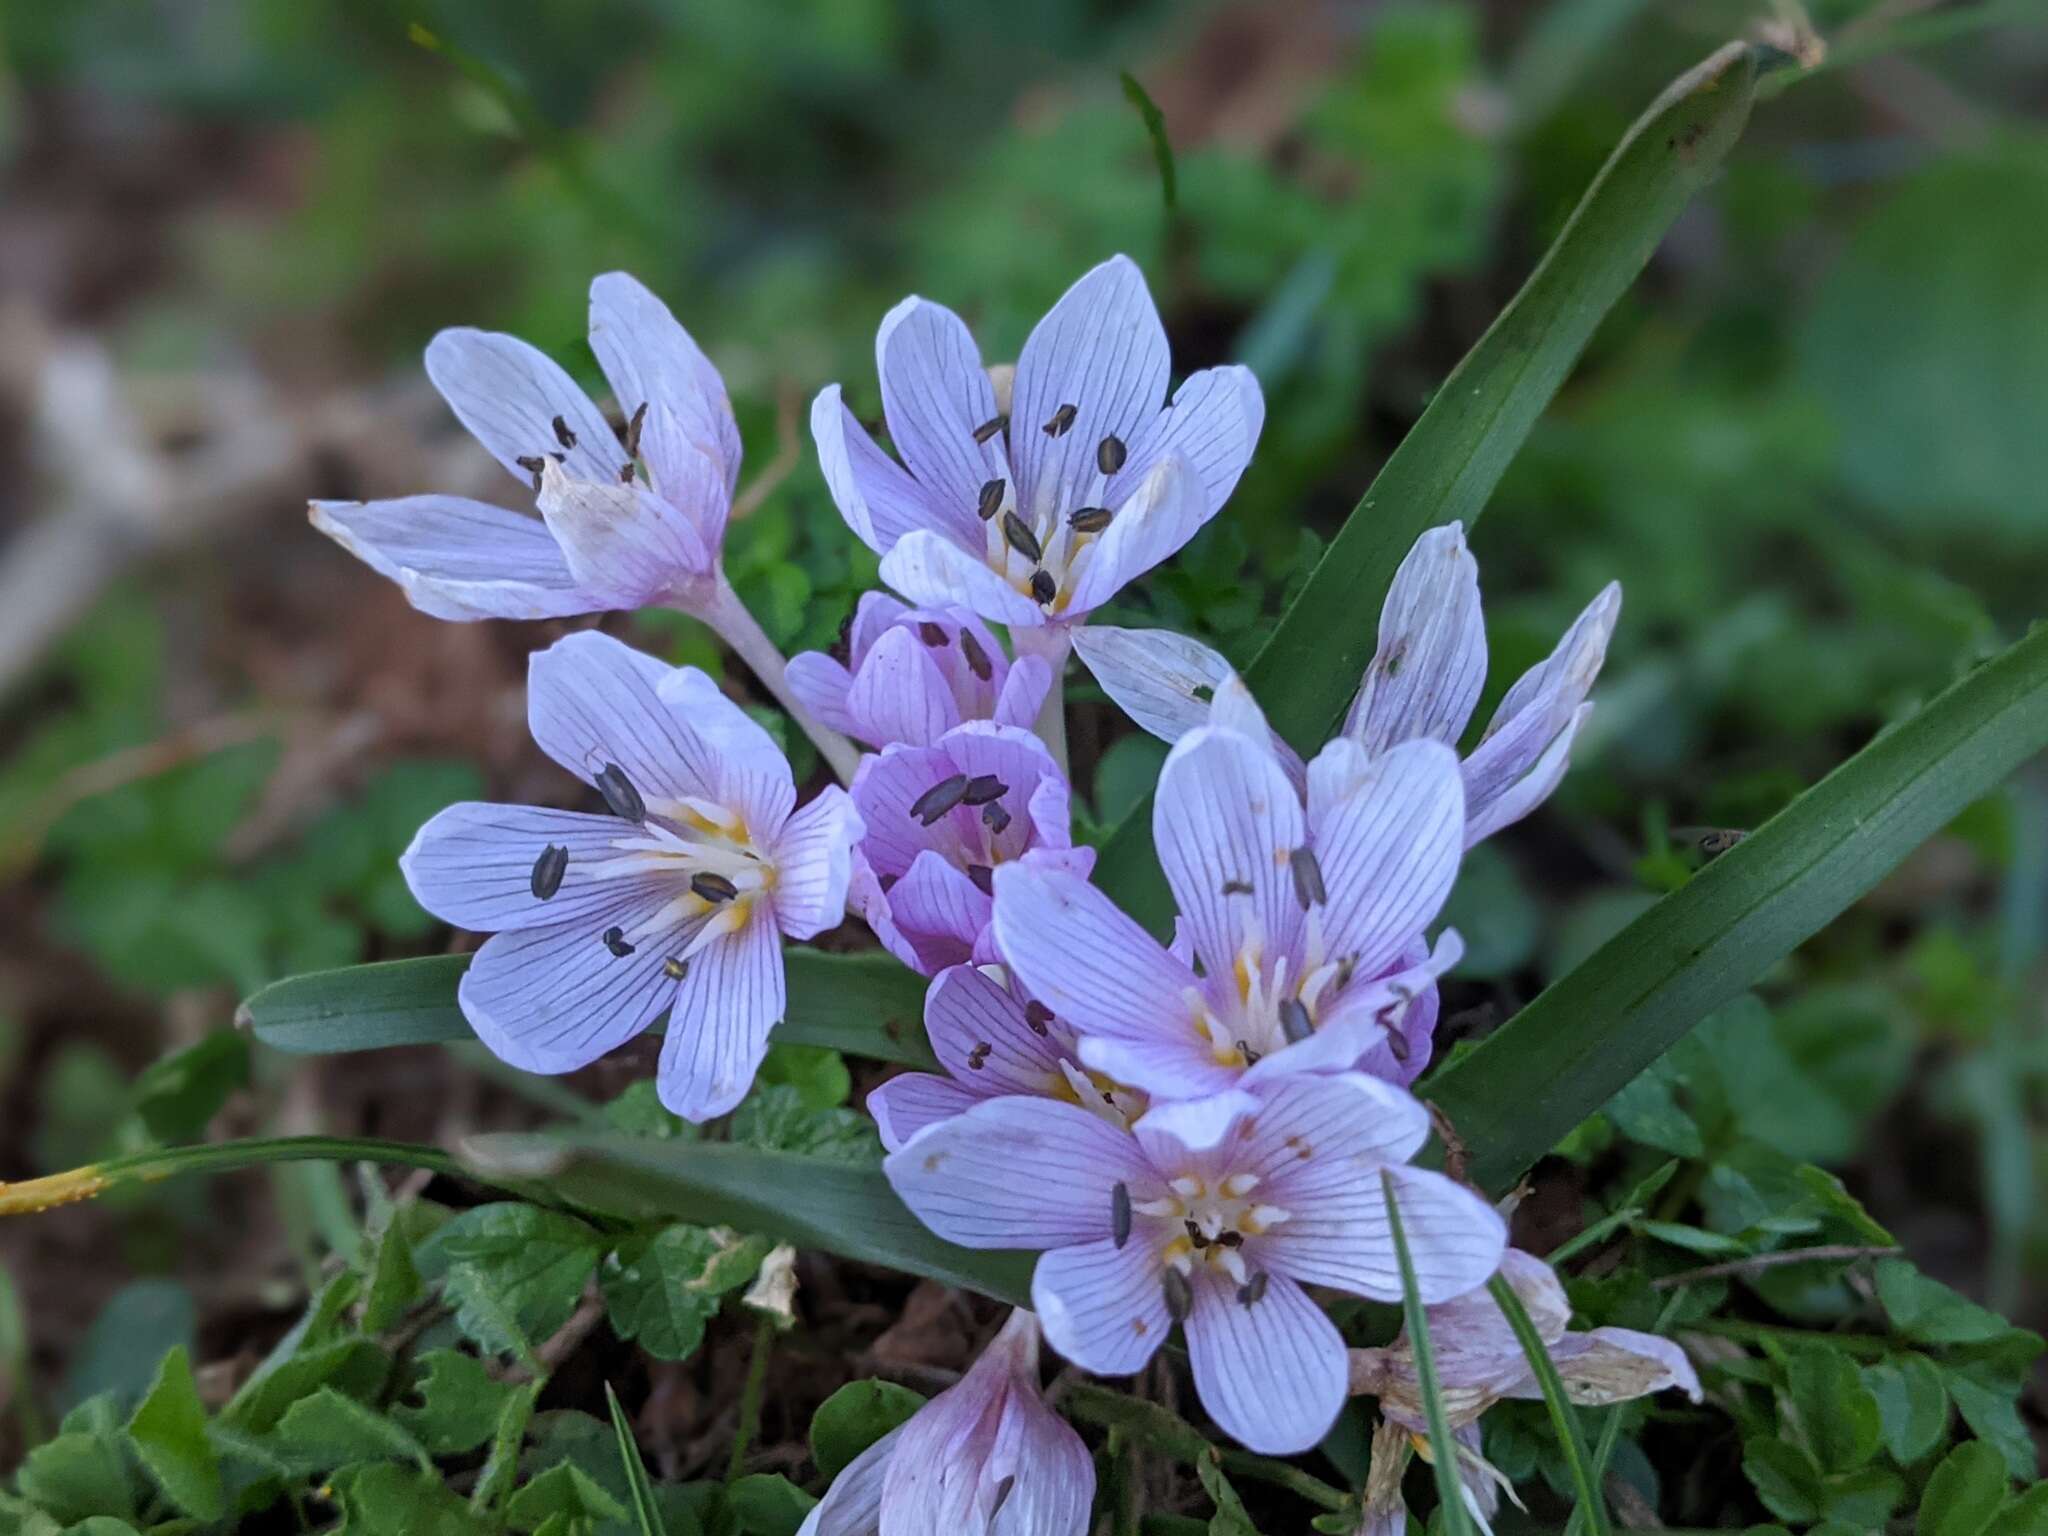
[910, 1101]
[1424, 680]
[1166, 509]
[624, 544]
[1101, 1305]
[555, 999]
[1389, 852]
[472, 865]
[648, 357]
[821, 685]
[814, 864]
[1162, 680]
[852, 1506]
[933, 569]
[1023, 692]
[1611, 1365]
[730, 751]
[456, 558]
[1519, 797]
[1213, 423]
[1475, 1345]
[593, 700]
[981, 1034]
[939, 909]
[1017, 1173]
[900, 694]
[1272, 1374]
[877, 497]
[935, 394]
[733, 994]
[509, 394]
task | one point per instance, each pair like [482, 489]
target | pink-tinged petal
[1023, 692]
[509, 394]
[1225, 822]
[458, 559]
[1101, 350]
[877, 497]
[814, 864]
[864, 896]
[1475, 1346]
[1039, 1464]
[1356, 1032]
[1338, 1233]
[1166, 509]
[1102, 1306]
[900, 694]
[939, 909]
[472, 865]
[1162, 680]
[1213, 423]
[650, 359]
[1424, 680]
[732, 995]
[852, 1506]
[822, 685]
[1032, 781]
[932, 569]
[1523, 795]
[1083, 958]
[593, 700]
[1612, 1365]
[1272, 1374]
[623, 543]
[555, 999]
[885, 786]
[873, 615]
[1018, 1173]
[982, 1035]
[909, 1102]
[730, 752]
[935, 394]
[1543, 703]
[1389, 853]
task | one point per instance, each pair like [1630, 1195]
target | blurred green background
[1809, 444]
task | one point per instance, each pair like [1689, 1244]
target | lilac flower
[915, 673]
[1214, 1213]
[1422, 685]
[1304, 923]
[985, 1446]
[675, 902]
[1035, 509]
[1478, 1363]
[992, 1042]
[940, 821]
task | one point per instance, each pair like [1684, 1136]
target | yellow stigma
[29, 1196]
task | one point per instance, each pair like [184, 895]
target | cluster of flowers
[1191, 1133]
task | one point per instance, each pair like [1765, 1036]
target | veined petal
[1338, 1233]
[939, 909]
[1517, 798]
[1164, 511]
[813, 859]
[1225, 822]
[900, 694]
[885, 786]
[1425, 678]
[458, 559]
[932, 569]
[1389, 852]
[1023, 692]
[731, 997]
[649, 358]
[593, 700]
[509, 395]
[1101, 350]
[873, 616]
[935, 394]
[1612, 1365]
[1381, 1026]
[623, 543]
[472, 865]
[1162, 680]
[910, 1101]
[1170, 1064]
[852, 1506]
[1040, 1465]
[865, 896]
[1475, 1345]
[822, 686]
[1083, 958]
[555, 999]
[1272, 1374]
[876, 495]
[981, 1034]
[1017, 1173]
[1213, 423]
[1101, 1305]
[729, 751]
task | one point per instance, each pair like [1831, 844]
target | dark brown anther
[548, 870]
[1180, 1296]
[978, 1057]
[1110, 454]
[983, 877]
[713, 888]
[1346, 969]
[633, 430]
[674, 969]
[1294, 1020]
[1196, 1235]
[1037, 1015]
[562, 433]
[626, 472]
[1308, 878]
[977, 659]
[933, 635]
[939, 799]
[620, 797]
[1230, 1239]
[1252, 1289]
[991, 500]
[615, 941]
[1043, 588]
[983, 788]
[1120, 1213]
[1398, 1044]
[994, 817]
[1237, 888]
[1251, 1057]
[1062, 422]
[990, 428]
[1090, 519]
[1018, 535]
[533, 464]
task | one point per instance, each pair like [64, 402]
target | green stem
[729, 619]
[1053, 644]
[1166, 1431]
[750, 1396]
[1443, 1445]
[1562, 1420]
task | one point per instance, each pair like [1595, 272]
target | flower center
[705, 855]
[1212, 1222]
[1041, 550]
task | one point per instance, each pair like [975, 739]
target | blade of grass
[1563, 1422]
[646, 1513]
[1590, 1033]
[1155, 130]
[1443, 1445]
[866, 1004]
[1451, 460]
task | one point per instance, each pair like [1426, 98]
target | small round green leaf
[854, 1418]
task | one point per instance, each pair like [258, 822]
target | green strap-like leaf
[646, 1512]
[812, 1202]
[867, 1004]
[1452, 1517]
[1592, 1032]
[1454, 456]
[1592, 1510]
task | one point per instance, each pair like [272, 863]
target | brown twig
[1827, 1252]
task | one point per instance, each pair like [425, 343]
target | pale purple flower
[1035, 509]
[622, 524]
[676, 902]
[1479, 1362]
[941, 820]
[1216, 1213]
[1422, 684]
[1301, 931]
[992, 1042]
[912, 674]
[985, 1447]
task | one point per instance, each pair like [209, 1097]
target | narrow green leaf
[169, 1434]
[813, 1202]
[1155, 130]
[1565, 1423]
[1568, 1052]
[867, 1004]
[1443, 1445]
[646, 1513]
[1454, 456]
